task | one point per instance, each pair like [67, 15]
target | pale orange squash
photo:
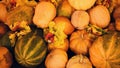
[56, 59]
[44, 13]
[99, 16]
[79, 61]
[80, 19]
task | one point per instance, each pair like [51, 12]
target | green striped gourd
[30, 50]
[105, 51]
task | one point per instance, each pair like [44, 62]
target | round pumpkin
[105, 51]
[30, 50]
[99, 16]
[80, 19]
[5, 58]
[80, 42]
[79, 61]
[56, 59]
[68, 27]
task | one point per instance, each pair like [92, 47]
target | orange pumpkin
[79, 61]
[68, 27]
[63, 46]
[105, 51]
[5, 58]
[80, 42]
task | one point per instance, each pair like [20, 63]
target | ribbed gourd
[105, 51]
[30, 50]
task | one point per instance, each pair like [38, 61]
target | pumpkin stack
[60, 33]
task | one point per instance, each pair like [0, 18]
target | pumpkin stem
[81, 58]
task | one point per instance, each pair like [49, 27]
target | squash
[80, 41]
[42, 17]
[80, 19]
[67, 25]
[63, 46]
[79, 61]
[82, 4]
[105, 51]
[6, 59]
[30, 50]
[56, 59]
[99, 16]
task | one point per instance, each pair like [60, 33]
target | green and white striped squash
[105, 51]
[30, 50]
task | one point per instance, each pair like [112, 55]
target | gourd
[79, 61]
[42, 17]
[97, 14]
[105, 51]
[80, 41]
[30, 50]
[57, 58]
[80, 19]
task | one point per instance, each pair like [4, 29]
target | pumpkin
[63, 46]
[97, 14]
[80, 42]
[79, 61]
[67, 25]
[80, 19]
[57, 58]
[105, 51]
[5, 58]
[30, 50]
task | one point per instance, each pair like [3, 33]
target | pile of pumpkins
[64, 34]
